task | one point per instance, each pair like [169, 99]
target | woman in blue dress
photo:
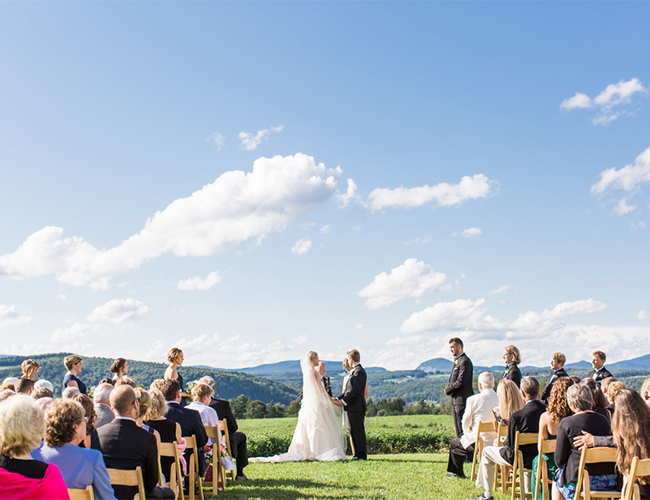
[73, 364]
[175, 359]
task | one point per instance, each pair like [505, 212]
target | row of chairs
[135, 478]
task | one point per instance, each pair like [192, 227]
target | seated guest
[44, 403]
[125, 380]
[101, 398]
[557, 409]
[567, 457]
[478, 409]
[599, 371]
[6, 393]
[604, 383]
[66, 429]
[91, 417]
[512, 358]
[43, 383]
[600, 401]
[119, 367]
[237, 438]
[645, 391]
[613, 389]
[144, 402]
[125, 445]
[22, 427]
[69, 392]
[557, 366]
[42, 392]
[201, 396]
[169, 431]
[524, 420]
[74, 365]
[9, 383]
[510, 401]
[157, 384]
[29, 368]
[25, 386]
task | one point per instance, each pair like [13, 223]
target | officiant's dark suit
[355, 405]
[460, 383]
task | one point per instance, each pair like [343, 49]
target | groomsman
[354, 402]
[598, 362]
[557, 366]
[460, 382]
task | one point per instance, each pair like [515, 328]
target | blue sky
[497, 153]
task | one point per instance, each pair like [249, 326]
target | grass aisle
[409, 476]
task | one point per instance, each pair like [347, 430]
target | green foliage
[294, 409]
[255, 409]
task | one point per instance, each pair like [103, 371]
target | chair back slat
[81, 494]
[593, 456]
[639, 468]
[131, 477]
[170, 450]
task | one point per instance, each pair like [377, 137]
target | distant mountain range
[291, 366]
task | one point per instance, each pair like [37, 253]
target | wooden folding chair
[81, 494]
[593, 456]
[544, 446]
[483, 427]
[518, 469]
[501, 478]
[193, 466]
[175, 482]
[132, 477]
[639, 468]
[218, 477]
[223, 425]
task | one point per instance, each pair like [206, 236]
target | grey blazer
[104, 414]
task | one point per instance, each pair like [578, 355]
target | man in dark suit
[353, 401]
[189, 420]
[237, 438]
[460, 382]
[322, 368]
[599, 371]
[557, 366]
[125, 445]
[524, 420]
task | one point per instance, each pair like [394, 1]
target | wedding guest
[69, 392]
[74, 365]
[157, 384]
[237, 438]
[43, 383]
[29, 368]
[25, 386]
[144, 402]
[510, 401]
[119, 367]
[557, 409]
[460, 382]
[175, 359]
[22, 427]
[80, 467]
[44, 403]
[645, 391]
[599, 372]
[125, 380]
[201, 396]
[91, 416]
[167, 430]
[557, 371]
[6, 393]
[102, 400]
[567, 456]
[512, 359]
[599, 400]
[478, 409]
[613, 389]
[604, 383]
[9, 383]
[42, 392]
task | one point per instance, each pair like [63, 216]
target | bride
[318, 435]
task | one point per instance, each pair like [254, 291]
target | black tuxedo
[524, 420]
[191, 424]
[559, 373]
[512, 373]
[603, 373]
[237, 439]
[355, 404]
[460, 388]
[126, 446]
[327, 385]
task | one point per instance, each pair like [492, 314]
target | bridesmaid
[74, 365]
[175, 359]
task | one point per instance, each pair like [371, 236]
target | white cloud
[301, 246]
[639, 225]
[500, 290]
[217, 139]
[198, 283]
[326, 229]
[643, 315]
[359, 326]
[74, 332]
[622, 208]
[441, 195]
[469, 233]
[411, 279]
[235, 208]
[10, 318]
[253, 353]
[249, 142]
[419, 240]
[350, 194]
[118, 311]
[614, 95]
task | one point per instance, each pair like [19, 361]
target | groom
[353, 401]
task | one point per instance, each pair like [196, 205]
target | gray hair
[207, 380]
[43, 383]
[70, 392]
[103, 393]
[486, 379]
[580, 396]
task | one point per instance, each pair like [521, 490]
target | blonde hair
[558, 357]
[28, 365]
[510, 398]
[200, 391]
[514, 352]
[158, 406]
[613, 389]
[22, 426]
[144, 402]
[125, 380]
[70, 361]
[173, 354]
[311, 355]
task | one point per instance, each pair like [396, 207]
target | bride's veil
[310, 380]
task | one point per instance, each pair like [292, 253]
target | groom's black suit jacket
[354, 391]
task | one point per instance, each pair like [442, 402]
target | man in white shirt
[201, 395]
[478, 409]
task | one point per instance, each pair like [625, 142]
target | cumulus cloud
[235, 208]
[441, 195]
[217, 139]
[249, 142]
[10, 318]
[301, 246]
[643, 315]
[639, 225]
[74, 332]
[468, 233]
[350, 195]
[198, 283]
[118, 311]
[411, 279]
[254, 353]
[613, 96]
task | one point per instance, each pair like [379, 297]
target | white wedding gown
[318, 435]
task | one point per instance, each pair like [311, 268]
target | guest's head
[511, 355]
[557, 360]
[73, 363]
[313, 357]
[175, 356]
[6, 393]
[604, 384]
[530, 388]
[485, 381]
[89, 408]
[144, 402]
[510, 399]
[22, 426]
[125, 380]
[598, 359]
[65, 422]
[119, 367]
[645, 391]
[614, 389]
[43, 383]
[107, 380]
[599, 399]
[354, 356]
[208, 381]
[455, 346]
[44, 403]
[558, 406]
[202, 393]
[322, 368]
[580, 398]
[157, 408]
[171, 389]
[29, 368]
[631, 429]
[157, 384]
[124, 402]
[102, 394]
[42, 392]
[575, 379]
[25, 386]
[70, 392]
[9, 383]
